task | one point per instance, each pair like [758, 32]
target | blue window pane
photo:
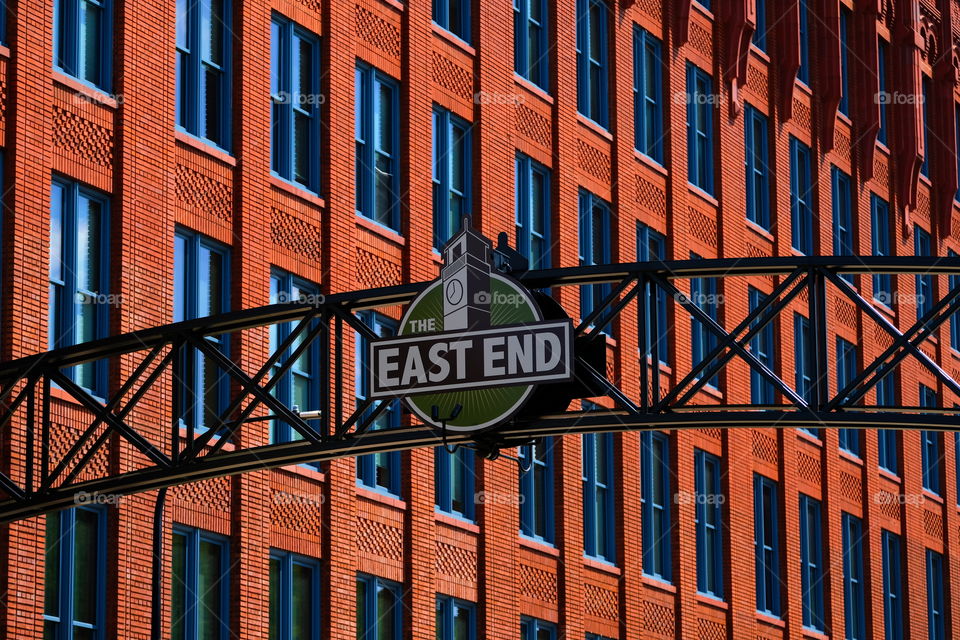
[536, 491]
[757, 169]
[203, 70]
[760, 33]
[594, 249]
[936, 616]
[655, 504]
[843, 231]
[648, 94]
[844, 106]
[598, 503]
[534, 629]
[882, 94]
[880, 246]
[811, 563]
[454, 16]
[891, 551]
[75, 573]
[294, 597]
[801, 197]
[854, 600]
[377, 147]
[700, 101]
[199, 584]
[456, 619]
[709, 521]
[652, 246]
[924, 282]
[379, 609]
[378, 471]
[846, 372]
[954, 284]
[531, 58]
[766, 542]
[533, 211]
[592, 71]
[762, 391]
[451, 174]
[925, 92]
[82, 44]
[454, 476]
[803, 73]
[703, 294]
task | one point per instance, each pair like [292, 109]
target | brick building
[169, 160]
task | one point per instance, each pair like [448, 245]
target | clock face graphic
[454, 292]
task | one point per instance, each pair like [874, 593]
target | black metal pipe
[156, 605]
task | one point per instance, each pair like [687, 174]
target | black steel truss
[32, 481]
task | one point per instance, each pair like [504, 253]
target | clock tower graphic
[465, 277]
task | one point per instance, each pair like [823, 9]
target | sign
[474, 339]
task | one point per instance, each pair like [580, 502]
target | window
[767, 543]
[887, 438]
[801, 194]
[294, 597]
[880, 246]
[843, 238]
[594, 248]
[758, 173]
[854, 601]
[883, 98]
[803, 363]
[655, 503]
[598, 514]
[75, 561]
[892, 586]
[79, 275]
[295, 91]
[199, 585]
[709, 514]
[700, 101]
[762, 391]
[592, 72]
[533, 211]
[533, 629]
[530, 41]
[82, 41]
[760, 33]
[652, 245]
[203, 69]
[846, 372]
[931, 447]
[811, 563]
[956, 119]
[378, 146]
[454, 475]
[379, 609]
[925, 94]
[921, 246]
[200, 288]
[844, 106]
[454, 16]
[456, 619]
[954, 283]
[378, 471]
[803, 73]
[935, 612]
[451, 174]
[703, 293]
[648, 94]
[299, 387]
[536, 490]
[956, 460]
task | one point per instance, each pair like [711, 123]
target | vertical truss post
[642, 310]
[324, 339]
[817, 308]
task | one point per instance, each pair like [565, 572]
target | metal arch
[31, 483]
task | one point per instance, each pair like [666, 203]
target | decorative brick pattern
[456, 562]
[74, 134]
[207, 195]
[881, 337]
[889, 504]
[378, 539]
[845, 313]
[757, 79]
[702, 227]
[538, 584]
[808, 468]
[651, 197]
[452, 77]
[765, 447]
[593, 161]
[933, 524]
[213, 494]
[881, 170]
[652, 8]
[843, 145]
[801, 114]
[533, 125]
[711, 630]
[658, 619]
[711, 433]
[375, 271]
[923, 205]
[297, 513]
[701, 39]
[312, 5]
[600, 602]
[851, 487]
[297, 236]
[377, 32]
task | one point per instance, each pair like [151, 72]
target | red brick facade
[125, 145]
